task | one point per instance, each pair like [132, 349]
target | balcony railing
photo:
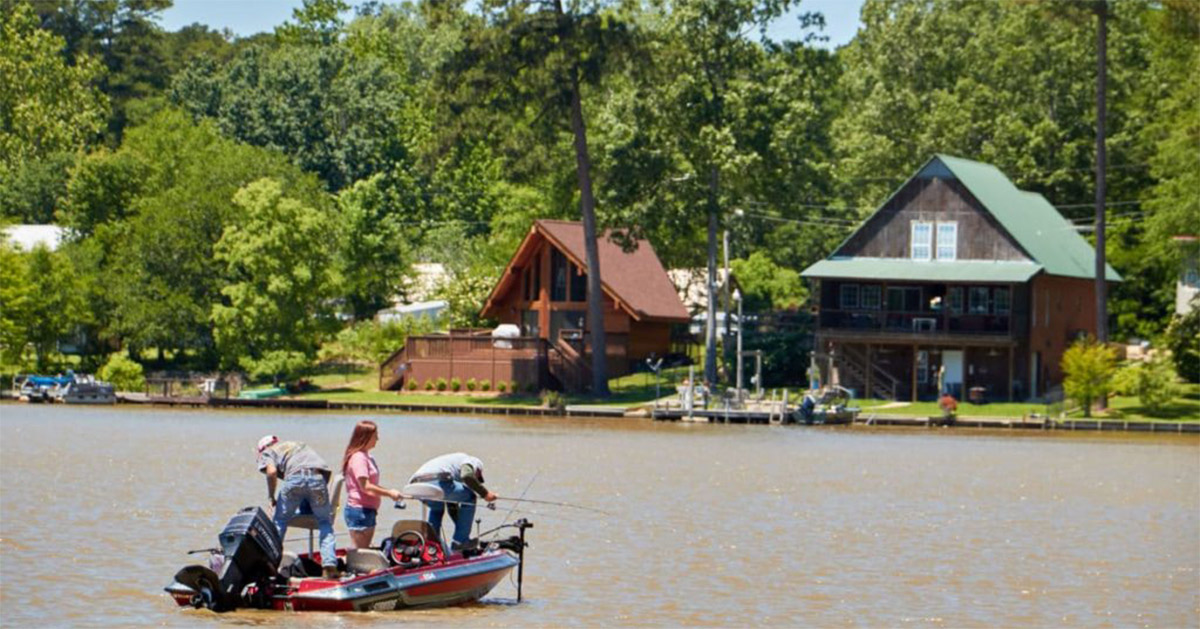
[917, 322]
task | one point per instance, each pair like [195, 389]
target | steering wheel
[407, 539]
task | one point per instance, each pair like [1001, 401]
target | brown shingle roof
[635, 279]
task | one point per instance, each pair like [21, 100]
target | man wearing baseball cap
[460, 477]
[305, 477]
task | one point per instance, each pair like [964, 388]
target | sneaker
[330, 572]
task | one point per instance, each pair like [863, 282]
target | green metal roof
[1035, 224]
[923, 270]
[1048, 238]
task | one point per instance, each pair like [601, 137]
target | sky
[247, 17]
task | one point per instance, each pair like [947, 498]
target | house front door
[952, 362]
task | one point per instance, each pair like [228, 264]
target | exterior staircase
[569, 367]
[853, 369]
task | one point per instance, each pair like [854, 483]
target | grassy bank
[362, 385]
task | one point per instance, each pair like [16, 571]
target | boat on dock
[72, 388]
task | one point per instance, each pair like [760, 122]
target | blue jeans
[455, 492]
[310, 488]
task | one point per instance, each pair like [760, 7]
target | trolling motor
[250, 552]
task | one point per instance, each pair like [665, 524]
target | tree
[544, 55]
[1088, 368]
[281, 262]
[48, 110]
[56, 307]
[342, 116]
[767, 286]
[373, 250]
[1152, 381]
[1183, 339]
[125, 36]
[14, 303]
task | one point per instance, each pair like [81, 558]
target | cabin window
[922, 240]
[849, 298]
[979, 300]
[904, 299]
[954, 299]
[869, 297]
[578, 284]
[1000, 301]
[558, 276]
[947, 241]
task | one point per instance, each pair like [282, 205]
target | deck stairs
[853, 368]
[569, 367]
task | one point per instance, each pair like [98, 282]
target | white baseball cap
[267, 442]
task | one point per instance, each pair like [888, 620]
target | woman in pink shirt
[362, 485]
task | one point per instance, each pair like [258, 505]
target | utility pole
[1101, 167]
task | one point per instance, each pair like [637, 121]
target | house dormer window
[921, 247]
[947, 240]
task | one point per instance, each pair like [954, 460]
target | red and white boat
[251, 570]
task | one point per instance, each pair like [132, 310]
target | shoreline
[864, 420]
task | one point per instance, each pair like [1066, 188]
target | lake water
[710, 525]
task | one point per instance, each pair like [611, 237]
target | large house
[542, 297]
[959, 278]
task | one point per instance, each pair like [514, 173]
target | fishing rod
[510, 511]
[555, 504]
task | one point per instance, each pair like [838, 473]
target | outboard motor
[250, 553]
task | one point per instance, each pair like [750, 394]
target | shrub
[411, 385]
[1181, 339]
[429, 386]
[455, 384]
[471, 384]
[441, 384]
[500, 386]
[485, 385]
[513, 387]
[123, 373]
[1153, 382]
[531, 387]
[554, 400]
[1088, 369]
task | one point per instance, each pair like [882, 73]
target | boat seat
[365, 561]
[420, 526]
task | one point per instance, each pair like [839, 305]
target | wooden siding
[886, 234]
[1061, 309]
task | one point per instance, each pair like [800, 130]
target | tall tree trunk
[587, 206]
[710, 323]
[1101, 167]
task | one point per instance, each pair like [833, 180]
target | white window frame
[842, 294]
[996, 305]
[954, 299]
[920, 250]
[972, 302]
[875, 292]
[947, 240]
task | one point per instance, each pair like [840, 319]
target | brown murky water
[712, 525]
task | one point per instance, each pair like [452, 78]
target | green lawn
[362, 385]
[1183, 408]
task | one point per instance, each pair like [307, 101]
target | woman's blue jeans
[454, 492]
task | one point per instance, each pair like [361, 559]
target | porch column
[867, 393]
[1010, 373]
[914, 373]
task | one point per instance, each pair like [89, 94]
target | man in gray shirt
[460, 477]
[305, 477]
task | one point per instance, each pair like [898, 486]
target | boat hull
[455, 582]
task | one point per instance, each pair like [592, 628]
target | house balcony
[917, 328]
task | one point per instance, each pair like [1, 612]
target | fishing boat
[250, 569]
[38, 389]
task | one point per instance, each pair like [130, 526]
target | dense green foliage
[237, 202]
[1153, 382]
[1088, 370]
[124, 374]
